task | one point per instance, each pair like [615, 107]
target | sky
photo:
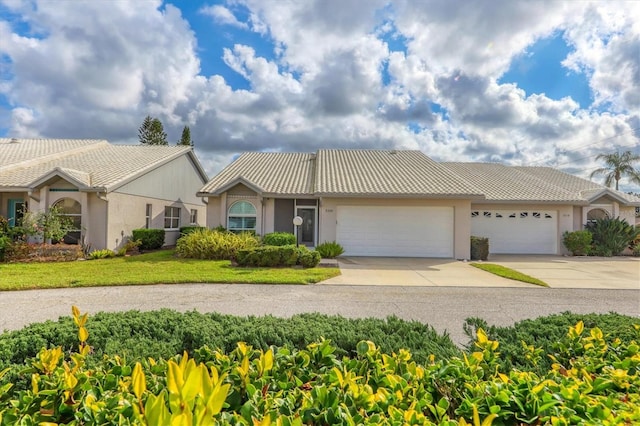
[541, 83]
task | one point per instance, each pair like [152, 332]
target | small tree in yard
[151, 132]
[50, 226]
[186, 137]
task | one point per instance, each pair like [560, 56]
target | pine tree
[186, 137]
[151, 132]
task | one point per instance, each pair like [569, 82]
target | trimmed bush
[577, 242]
[479, 248]
[165, 333]
[214, 245]
[275, 256]
[330, 249]
[150, 239]
[611, 236]
[279, 239]
[545, 333]
[594, 380]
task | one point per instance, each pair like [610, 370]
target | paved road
[445, 308]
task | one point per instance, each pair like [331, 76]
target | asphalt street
[444, 308]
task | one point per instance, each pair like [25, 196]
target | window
[171, 217]
[147, 218]
[242, 217]
[486, 214]
[72, 210]
[595, 214]
[474, 214]
[193, 217]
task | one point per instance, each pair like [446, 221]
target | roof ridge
[56, 155]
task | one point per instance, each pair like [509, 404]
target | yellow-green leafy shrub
[599, 383]
[214, 245]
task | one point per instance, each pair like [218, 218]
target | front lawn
[149, 268]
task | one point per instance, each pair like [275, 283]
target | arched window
[72, 210]
[595, 214]
[241, 217]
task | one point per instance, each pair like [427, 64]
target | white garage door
[396, 231]
[517, 231]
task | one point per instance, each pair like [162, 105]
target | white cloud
[95, 69]
[222, 15]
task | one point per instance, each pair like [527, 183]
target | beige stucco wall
[127, 212]
[462, 217]
[565, 216]
[176, 180]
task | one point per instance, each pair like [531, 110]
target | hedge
[150, 239]
[279, 239]
[595, 379]
[274, 256]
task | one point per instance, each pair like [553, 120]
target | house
[402, 203]
[107, 190]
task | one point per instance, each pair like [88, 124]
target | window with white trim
[172, 218]
[193, 217]
[147, 217]
[241, 217]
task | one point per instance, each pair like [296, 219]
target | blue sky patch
[540, 70]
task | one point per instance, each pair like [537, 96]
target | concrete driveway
[557, 271]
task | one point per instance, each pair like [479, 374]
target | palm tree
[618, 165]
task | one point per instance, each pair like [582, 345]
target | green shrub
[274, 256]
[479, 248]
[308, 258]
[150, 239]
[165, 333]
[594, 380]
[101, 254]
[330, 249]
[577, 242]
[214, 245]
[5, 243]
[611, 236]
[279, 239]
[545, 333]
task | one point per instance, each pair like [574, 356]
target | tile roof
[271, 172]
[98, 164]
[530, 184]
[386, 173]
[380, 173]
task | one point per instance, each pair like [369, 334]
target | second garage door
[395, 231]
[517, 231]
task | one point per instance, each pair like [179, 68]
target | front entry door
[16, 212]
[307, 231]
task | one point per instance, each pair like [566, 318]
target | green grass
[149, 268]
[503, 271]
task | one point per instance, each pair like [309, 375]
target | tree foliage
[185, 139]
[151, 132]
[617, 166]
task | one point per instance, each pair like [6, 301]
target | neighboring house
[402, 203]
[107, 190]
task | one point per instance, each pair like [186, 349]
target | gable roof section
[387, 173]
[97, 165]
[510, 184]
[535, 184]
[268, 173]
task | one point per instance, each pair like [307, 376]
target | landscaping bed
[594, 376]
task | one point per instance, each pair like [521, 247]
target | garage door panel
[396, 231]
[517, 232]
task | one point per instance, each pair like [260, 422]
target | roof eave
[398, 195]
